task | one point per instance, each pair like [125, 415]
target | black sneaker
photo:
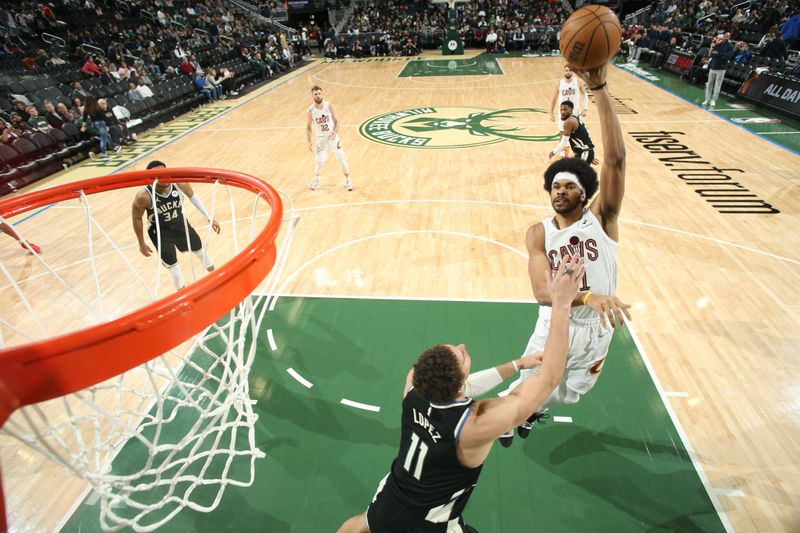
[506, 438]
[524, 430]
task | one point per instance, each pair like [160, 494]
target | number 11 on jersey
[416, 444]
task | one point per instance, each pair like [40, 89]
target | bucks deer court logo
[458, 127]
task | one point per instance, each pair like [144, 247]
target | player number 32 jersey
[323, 119]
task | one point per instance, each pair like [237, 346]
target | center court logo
[458, 127]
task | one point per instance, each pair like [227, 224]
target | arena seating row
[25, 160]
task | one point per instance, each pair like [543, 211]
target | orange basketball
[590, 37]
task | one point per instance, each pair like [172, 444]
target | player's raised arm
[608, 203]
[493, 417]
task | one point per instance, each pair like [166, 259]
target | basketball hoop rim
[71, 362]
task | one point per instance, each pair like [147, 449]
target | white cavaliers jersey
[599, 252]
[322, 119]
[570, 91]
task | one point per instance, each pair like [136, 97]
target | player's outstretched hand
[564, 285]
[530, 360]
[146, 251]
[593, 77]
[609, 307]
[215, 226]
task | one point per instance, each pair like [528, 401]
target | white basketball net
[174, 432]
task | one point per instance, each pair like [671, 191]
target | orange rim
[65, 364]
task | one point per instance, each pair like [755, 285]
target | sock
[205, 260]
[177, 276]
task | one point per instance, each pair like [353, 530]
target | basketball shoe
[348, 184]
[525, 429]
[314, 183]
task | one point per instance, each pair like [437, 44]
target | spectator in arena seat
[117, 130]
[775, 48]
[211, 80]
[95, 124]
[90, 68]
[743, 53]
[491, 41]
[203, 87]
[186, 67]
[52, 115]
[226, 80]
[133, 94]
[21, 109]
[143, 89]
[37, 122]
[68, 115]
[518, 40]
[79, 91]
[8, 133]
[19, 124]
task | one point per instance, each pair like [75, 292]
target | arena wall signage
[775, 92]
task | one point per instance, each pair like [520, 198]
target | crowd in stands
[110, 68]
[761, 35]
[114, 67]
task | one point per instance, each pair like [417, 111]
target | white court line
[271, 340]
[778, 132]
[684, 439]
[728, 492]
[303, 381]
[359, 405]
[535, 206]
[675, 394]
[563, 419]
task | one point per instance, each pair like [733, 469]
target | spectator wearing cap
[203, 87]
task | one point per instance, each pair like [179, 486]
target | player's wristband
[586, 297]
[516, 368]
[599, 86]
[198, 203]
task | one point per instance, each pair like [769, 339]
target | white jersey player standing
[322, 117]
[573, 89]
[590, 230]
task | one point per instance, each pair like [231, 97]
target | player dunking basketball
[590, 230]
[571, 88]
[322, 115]
[168, 229]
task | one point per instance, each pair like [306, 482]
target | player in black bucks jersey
[169, 230]
[446, 435]
[575, 135]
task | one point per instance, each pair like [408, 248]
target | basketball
[590, 37]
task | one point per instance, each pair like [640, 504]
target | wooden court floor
[714, 293]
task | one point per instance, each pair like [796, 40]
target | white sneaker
[713, 103]
[348, 184]
[314, 184]
[705, 102]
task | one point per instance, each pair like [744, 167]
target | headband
[570, 177]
